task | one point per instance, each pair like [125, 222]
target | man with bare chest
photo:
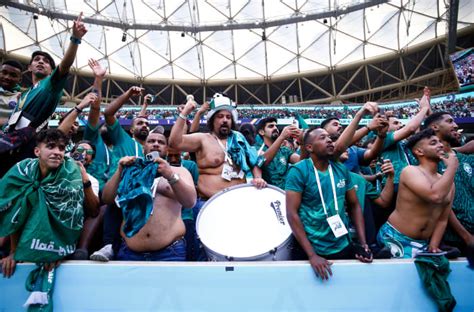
[223, 155]
[424, 200]
[161, 238]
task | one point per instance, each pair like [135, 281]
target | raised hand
[78, 29]
[135, 91]
[450, 160]
[370, 108]
[88, 100]
[97, 69]
[291, 131]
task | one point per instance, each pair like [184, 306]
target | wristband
[173, 179]
[75, 40]
[87, 184]
[182, 116]
[77, 109]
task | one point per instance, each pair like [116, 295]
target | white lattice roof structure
[223, 40]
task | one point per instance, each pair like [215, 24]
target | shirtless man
[161, 238]
[424, 200]
[219, 167]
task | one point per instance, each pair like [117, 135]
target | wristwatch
[174, 179]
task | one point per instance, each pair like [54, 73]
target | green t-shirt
[463, 203]
[301, 179]
[275, 172]
[398, 155]
[363, 189]
[41, 100]
[122, 145]
[99, 168]
[187, 214]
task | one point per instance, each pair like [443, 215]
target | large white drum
[243, 223]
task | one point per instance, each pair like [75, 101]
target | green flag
[47, 212]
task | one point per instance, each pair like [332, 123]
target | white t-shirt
[94, 184]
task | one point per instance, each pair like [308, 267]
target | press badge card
[337, 226]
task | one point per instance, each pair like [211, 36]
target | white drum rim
[251, 258]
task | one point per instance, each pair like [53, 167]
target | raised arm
[376, 148]
[435, 192]
[385, 198]
[78, 31]
[99, 74]
[146, 100]
[178, 140]
[288, 131]
[413, 125]
[116, 104]
[376, 123]
[68, 121]
[467, 148]
[197, 117]
[345, 139]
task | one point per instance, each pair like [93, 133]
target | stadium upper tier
[459, 105]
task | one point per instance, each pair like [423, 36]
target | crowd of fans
[459, 108]
[383, 190]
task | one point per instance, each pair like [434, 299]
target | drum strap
[333, 186]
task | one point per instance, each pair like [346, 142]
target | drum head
[243, 221]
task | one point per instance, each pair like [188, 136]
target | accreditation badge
[337, 226]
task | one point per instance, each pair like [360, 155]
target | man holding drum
[317, 190]
[223, 155]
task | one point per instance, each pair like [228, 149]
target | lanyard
[136, 148]
[107, 154]
[333, 186]
[261, 149]
[226, 157]
[23, 100]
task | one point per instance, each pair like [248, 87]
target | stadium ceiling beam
[415, 80]
[296, 17]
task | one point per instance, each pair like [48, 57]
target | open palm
[97, 69]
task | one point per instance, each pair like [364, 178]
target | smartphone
[152, 156]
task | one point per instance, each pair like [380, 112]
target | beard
[224, 131]
[142, 134]
[335, 136]
[452, 140]
[275, 135]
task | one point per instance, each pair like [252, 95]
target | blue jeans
[176, 251]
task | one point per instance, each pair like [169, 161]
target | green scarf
[48, 213]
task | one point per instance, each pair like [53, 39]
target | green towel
[134, 194]
[48, 213]
[433, 272]
[241, 153]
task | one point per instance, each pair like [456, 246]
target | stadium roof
[224, 40]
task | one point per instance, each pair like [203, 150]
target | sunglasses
[81, 150]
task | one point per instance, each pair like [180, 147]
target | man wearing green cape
[41, 208]
[41, 204]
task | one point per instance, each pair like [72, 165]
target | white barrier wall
[385, 285]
